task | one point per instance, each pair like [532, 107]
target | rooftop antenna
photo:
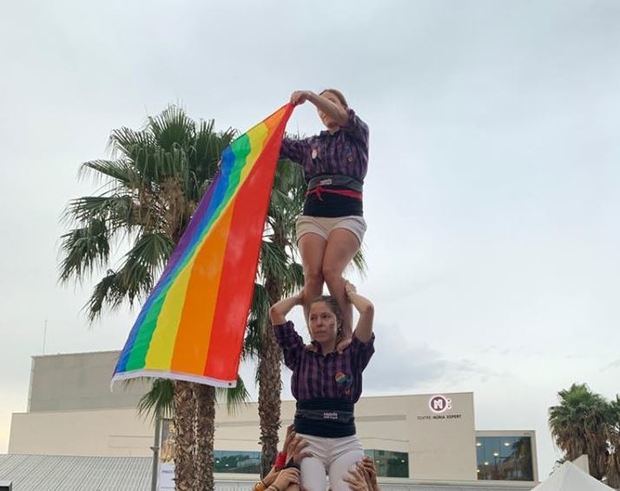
[44, 334]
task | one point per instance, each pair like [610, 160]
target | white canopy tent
[569, 477]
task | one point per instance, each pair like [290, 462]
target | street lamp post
[155, 449]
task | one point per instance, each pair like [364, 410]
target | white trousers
[333, 457]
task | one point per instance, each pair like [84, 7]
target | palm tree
[153, 183]
[579, 425]
[613, 438]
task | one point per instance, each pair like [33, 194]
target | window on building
[504, 458]
[390, 464]
[238, 462]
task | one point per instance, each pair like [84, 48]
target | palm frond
[205, 155]
[259, 315]
[288, 195]
[118, 171]
[135, 277]
[151, 250]
[109, 290]
[235, 397]
[252, 343]
[137, 281]
[359, 261]
[159, 401]
[274, 261]
[149, 160]
[290, 178]
[294, 280]
[84, 249]
[115, 210]
[130, 143]
[172, 128]
[260, 303]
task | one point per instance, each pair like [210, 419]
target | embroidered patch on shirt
[343, 378]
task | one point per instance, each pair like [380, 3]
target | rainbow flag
[192, 324]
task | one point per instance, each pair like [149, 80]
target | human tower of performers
[327, 374]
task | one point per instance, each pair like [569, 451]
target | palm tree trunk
[597, 453]
[184, 407]
[613, 471]
[205, 432]
[270, 385]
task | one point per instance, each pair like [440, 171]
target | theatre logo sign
[439, 406]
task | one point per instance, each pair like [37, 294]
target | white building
[426, 439]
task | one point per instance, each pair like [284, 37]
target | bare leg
[312, 248]
[342, 244]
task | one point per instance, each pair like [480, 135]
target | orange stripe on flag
[195, 330]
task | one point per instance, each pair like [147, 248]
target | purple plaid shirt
[333, 376]
[343, 153]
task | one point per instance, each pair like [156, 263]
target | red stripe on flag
[240, 263]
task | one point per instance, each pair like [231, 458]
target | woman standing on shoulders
[331, 229]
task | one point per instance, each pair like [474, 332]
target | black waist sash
[329, 418]
[335, 180]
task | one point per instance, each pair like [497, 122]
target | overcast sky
[492, 197]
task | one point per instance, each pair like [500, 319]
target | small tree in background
[586, 423]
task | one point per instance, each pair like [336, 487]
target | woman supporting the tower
[326, 383]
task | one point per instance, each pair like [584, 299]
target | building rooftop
[69, 473]
[64, 473]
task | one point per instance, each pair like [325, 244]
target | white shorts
[324, 225]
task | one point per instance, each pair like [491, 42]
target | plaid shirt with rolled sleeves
[343, 153]
[333, 376]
